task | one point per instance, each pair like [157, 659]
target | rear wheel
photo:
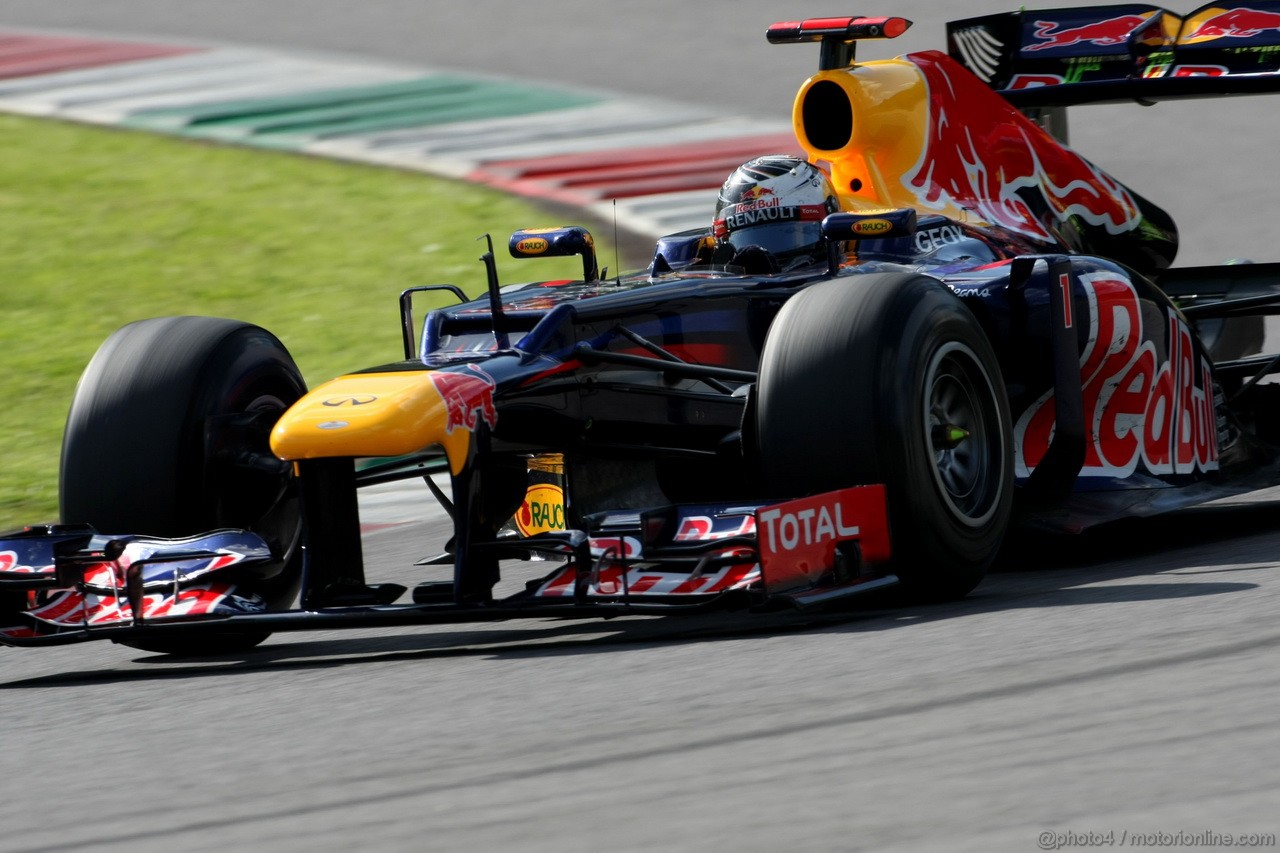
[167, 436]
[890, 379]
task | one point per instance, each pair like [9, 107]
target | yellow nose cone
[388, 414]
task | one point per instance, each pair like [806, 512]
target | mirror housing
[875, 225]
[557, 243]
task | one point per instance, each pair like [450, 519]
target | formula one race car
[938, 322]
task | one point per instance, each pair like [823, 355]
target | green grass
[100, 227]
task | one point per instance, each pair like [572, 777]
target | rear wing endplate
[1130, 52]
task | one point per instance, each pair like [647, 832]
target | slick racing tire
[167, 436]
[889, 378]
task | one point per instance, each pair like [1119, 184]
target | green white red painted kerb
[659, 164]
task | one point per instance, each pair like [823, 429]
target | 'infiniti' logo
[350, 401]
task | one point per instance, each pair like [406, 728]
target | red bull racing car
[935, 322]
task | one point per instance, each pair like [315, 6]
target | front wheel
[889, 378]
[167, 436]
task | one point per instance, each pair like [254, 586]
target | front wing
[66, 584]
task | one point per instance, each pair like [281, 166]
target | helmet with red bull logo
[775, 204]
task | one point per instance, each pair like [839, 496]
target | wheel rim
[275, 514]
[963, 434]
[271, 519]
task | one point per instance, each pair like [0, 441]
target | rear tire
[147, 449]
[889, 378]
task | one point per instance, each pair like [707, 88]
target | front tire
[167, 436]
[889, 378]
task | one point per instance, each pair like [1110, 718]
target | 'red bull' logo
[1016, 175]
[754, 198]
[1112, 31]
[468, 397]
[1238, 23]
[1147, 403]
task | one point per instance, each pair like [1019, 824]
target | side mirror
[679, 250]
[877, 225]
[557, 243]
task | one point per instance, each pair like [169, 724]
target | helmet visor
[784, 232]
[783, 239]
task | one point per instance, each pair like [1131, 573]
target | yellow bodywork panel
[921, 132]
[887, 104]
[384, 414]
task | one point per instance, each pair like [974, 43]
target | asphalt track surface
[1121, 682]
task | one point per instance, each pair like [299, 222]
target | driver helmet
[775, 203]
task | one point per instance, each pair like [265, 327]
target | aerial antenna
[617, 258]
[495, 296]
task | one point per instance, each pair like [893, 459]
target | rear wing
[1132, 52]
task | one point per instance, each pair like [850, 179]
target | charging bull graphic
[1102, 33]
[1014, 175]
[468, 397]
[1238, 23]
